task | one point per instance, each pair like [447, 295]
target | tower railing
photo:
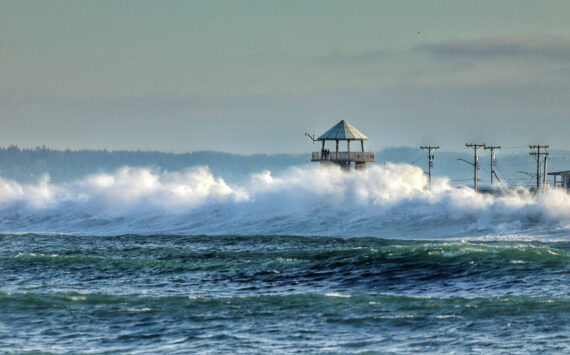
[343, 156]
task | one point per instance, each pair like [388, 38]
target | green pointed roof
[342, 131]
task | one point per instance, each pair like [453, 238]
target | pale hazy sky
[253, 76]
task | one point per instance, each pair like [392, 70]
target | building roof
[343, 131]
[565, 172]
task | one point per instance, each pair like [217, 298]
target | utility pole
[431, 158]
[545, 172]
[492, 149]
[537, 153]
[475, 163]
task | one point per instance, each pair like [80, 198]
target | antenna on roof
[312, 137]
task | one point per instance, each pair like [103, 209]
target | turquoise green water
[281, 294]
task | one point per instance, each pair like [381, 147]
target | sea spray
[381, 201]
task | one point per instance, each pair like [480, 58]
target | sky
[253, 76]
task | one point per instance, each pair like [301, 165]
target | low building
[564, 182]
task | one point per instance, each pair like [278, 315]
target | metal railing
[343, 156]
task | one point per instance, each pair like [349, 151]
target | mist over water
[392, 200]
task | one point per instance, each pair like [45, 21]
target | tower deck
[343, 157]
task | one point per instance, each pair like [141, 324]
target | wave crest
[390, 200]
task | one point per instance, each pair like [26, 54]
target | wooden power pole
[492, 149]
[537, 153]
[475, 163]
[431, 158]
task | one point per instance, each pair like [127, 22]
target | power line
[504, 173]
[415, 161]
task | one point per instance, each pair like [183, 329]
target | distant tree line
[27, 165]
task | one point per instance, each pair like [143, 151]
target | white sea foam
[390, 201]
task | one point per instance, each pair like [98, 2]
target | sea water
[313, 260]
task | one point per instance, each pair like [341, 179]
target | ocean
[313, 260]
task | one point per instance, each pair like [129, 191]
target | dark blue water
[281, 294]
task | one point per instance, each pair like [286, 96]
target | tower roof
[342, 131]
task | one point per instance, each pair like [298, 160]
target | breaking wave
[386, 201]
